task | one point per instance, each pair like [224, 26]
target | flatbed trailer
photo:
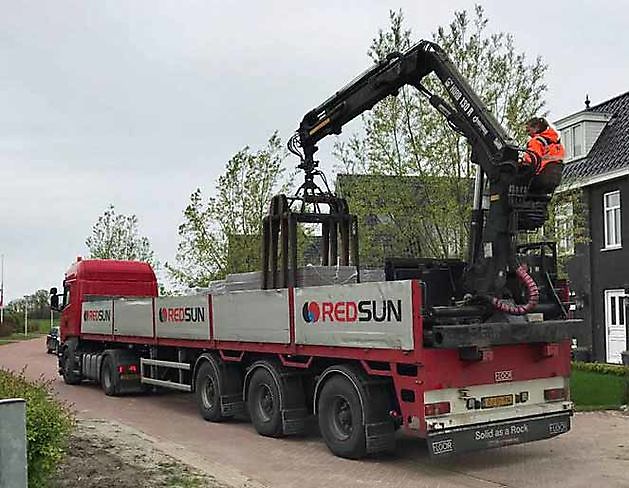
[355, 355]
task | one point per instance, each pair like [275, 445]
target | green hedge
[48, 424]
[603, 368]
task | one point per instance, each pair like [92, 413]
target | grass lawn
[594, 391]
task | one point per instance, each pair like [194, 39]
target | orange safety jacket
[547, 147]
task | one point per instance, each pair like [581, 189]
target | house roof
[609, 155]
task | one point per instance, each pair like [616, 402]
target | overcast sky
[137, 103]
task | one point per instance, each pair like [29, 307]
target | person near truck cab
[544, 156]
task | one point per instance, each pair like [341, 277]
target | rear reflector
[433, 409]
[555, 394]
[132, 368]
[120, 369]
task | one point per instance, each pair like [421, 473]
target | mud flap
[294, 421]
[232, 404]
[294, 411]
[497, 434]
[380, 437]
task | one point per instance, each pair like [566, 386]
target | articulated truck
[466, 354]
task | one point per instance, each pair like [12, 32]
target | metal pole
[25, 319]
[13, 465]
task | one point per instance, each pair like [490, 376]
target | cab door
[70, 320]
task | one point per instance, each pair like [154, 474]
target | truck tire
[341, 418]
[263, 402]
[109, 380]
[208, 393]
[69, 366]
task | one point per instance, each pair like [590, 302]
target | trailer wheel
[109, 380]
[341, 418]
[263, 401]
[69, 363]
[208, 393]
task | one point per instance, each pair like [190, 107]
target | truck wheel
[109, 380]
[69, 376]
[341, 418]
[263, 401]
[208, 393]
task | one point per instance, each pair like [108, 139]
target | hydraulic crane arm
[492, 147]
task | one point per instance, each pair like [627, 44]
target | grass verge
[597, 391]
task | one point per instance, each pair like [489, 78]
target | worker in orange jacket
[544, 156]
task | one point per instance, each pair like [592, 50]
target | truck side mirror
[54, 299]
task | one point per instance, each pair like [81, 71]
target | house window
[564, 229]
[566, 138]
[573, 141]
[577, 141]
[611, 204]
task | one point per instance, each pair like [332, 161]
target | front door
[615, 325]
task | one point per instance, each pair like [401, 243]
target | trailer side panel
[373, 315]
[252, 316]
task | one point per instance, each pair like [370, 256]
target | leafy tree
[405, 136]
[116, 236]
[221, 234]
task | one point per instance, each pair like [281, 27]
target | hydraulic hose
[532, 294]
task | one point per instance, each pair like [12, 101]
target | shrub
[6, 329]
[603, 368]
[48, 423]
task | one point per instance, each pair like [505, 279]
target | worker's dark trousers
[548, 179]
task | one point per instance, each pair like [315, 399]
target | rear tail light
[434, 409]
[555, 394]
[131, 368]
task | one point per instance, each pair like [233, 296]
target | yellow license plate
[497, 401]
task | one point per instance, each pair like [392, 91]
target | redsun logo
[97, 315]
[181, 314]
[361, 311]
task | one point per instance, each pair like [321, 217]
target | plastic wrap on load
[369, 275]
[325, 275]
[306, 276]
[244, 281]
[217, 287]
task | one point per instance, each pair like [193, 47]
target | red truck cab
[101, 278]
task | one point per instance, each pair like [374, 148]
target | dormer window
[572, 138]
[579, 132]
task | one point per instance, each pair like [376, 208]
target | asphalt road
[594, 453]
